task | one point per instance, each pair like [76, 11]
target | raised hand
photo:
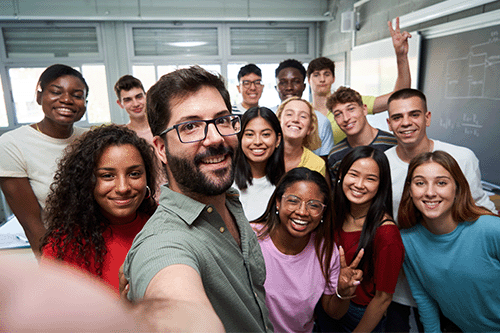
[349, 277]
[399, 40]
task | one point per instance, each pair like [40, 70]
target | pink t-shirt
[294, 284]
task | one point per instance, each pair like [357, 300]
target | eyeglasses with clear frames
[247, 84]
[314, 207]
[196, 130]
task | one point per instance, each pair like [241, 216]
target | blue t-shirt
[458, 272]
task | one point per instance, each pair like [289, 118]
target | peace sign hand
[349, 277]
[399, 39]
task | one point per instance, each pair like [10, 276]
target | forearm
[23, 203]
[404, 76]
[374, 312]
[334, 306]
[175, 316]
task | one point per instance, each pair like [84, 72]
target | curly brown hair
[75, 222]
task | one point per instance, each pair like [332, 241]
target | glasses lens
[228, 125]
[314, 207]
[191, 131]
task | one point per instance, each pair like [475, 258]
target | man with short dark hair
[408, 120]
[132, 98]
[250, 87]
[290, 81]
[198, 250]
[321, 76]
[347, 107]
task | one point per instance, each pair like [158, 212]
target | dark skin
[289, 82]
[63, 103]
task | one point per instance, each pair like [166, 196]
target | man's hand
[399, 40]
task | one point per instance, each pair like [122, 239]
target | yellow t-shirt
[312, 161]
[338, 135]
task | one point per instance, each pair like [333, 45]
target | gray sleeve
[153, 253]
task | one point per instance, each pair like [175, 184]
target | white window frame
[30, 62]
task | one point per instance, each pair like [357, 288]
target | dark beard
[190, 179]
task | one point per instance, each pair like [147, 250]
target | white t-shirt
[256, 197]
[27, 153]
[470, 167]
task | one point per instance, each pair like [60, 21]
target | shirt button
[221, 229]
[210, 209]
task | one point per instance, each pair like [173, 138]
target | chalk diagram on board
[476, 75]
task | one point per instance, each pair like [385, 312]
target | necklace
[38, 129]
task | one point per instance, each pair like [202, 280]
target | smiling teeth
[258, 151]
[214, 160]
[299, 222]
[431, 204]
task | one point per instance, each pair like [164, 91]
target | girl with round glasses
[101, 198]
[452, 247]
[259, 159]
[362, 213]
[303, 265]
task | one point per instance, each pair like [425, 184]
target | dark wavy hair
[275, 166]
[127, 82]
[173, 87]
[320, 64]
[74, 217]
[381, 204]
[291, 63]
[463, 209]
[324, 242]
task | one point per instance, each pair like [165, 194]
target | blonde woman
[300, 135]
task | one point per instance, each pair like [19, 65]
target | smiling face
[408, 119]
[259, 141]
[299, 222]
[63, 100]
[433, 192]
[205, 167]
[361, 182]
[121, 183]
[133, 101]
[295, 120]
[321, 82]
[351, 117]
[289, 82]
[252, 93]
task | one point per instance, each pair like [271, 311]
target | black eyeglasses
[247, 84]
[196, 130]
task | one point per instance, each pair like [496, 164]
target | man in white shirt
[408, 120]
[250, 87]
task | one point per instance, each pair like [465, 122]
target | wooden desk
[496, 200]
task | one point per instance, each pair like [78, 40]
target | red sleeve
[389, 255]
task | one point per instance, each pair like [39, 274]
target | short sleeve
[325, 134]
[12, 163]
[369, 101]
[146, 258]
[389, 256]
[331, 286]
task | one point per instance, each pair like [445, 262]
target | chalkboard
[460, 75]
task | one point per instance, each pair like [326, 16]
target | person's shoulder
[391, 154]
[488, 222]
[15, 134]
[458, 152]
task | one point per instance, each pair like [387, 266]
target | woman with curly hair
[452, 247]
[300, 134]
[101, 198]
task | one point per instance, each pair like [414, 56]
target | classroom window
[272, 40]
[4, 121]
[31, 48]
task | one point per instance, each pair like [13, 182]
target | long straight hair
[380, 206]
[324, 241]
[275, 166]
[463, 209]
